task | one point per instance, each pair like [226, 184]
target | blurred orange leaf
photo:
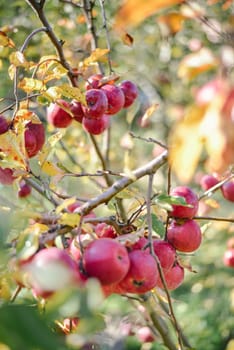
[51, 169]
[186, 144]
[5, 40]
[197, 63]
[173, 21]
[95, 56]
[133, 12]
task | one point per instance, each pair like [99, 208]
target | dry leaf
[127, 39]
[30, 85]
[135, 11]
[148, 114]
[5, 40]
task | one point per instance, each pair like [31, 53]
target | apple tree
[116, 175]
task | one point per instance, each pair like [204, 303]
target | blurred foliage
[150, 53]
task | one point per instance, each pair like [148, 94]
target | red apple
[115, 98]
[73, 208]
[145, 335]
[77, 111]
[165, 252]
[107, 260]
[228, 258]
[185, 236]
[96, 126]
[50, 270]
[207, 181]
[34, 138]
[180, 211]
[130, 92]
[6, 176]
[228, 190]
[4, 125]
[57, 116]
[24, 190]
[104, 230]
[142, 243]
[96, 104]
[173, 277]
[142, 275]
[93, 81]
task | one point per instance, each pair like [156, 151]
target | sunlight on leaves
[70, 219]
[95, 56]
[30, 84]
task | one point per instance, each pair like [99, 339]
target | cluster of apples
[103, 99]
[227, 189]
[121, 263]
[34, 139]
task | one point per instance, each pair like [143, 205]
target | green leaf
[27, 245]
[157, 225]
[166, 201]
[23, 328]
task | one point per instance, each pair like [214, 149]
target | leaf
[157, 225]
[135, 11]
[18, 59]
[18, 324]
[5, 41]
[95, 56]
[54, 93]
[166, 201]
[196, 63]
[51, 169]
[48, 148]
[27, 245]
[148, 114]
[70, 219]
[65, 204]
[30, 84]
[173, 21]
[127, 39]
[50, 68]
[186, 144]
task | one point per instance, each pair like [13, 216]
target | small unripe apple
[34, 138]
[107, 260]
[96, 104]
[4, 125]
[228, 258]
[115, 98]
[228, 190]
[77, 111]
[174, 277]
[142, 275]
[180, 211]
[93, 81]
[96, 126]
[207, 181]
[6, 176]
[185, 236]
[165, 252]
[57, 116]
[25, 190]
[50, 270]
[130, 92]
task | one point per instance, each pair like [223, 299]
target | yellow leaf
[18, 59]
[197, 63]
[73, 93]
[30, 84]
[5, 40]
[186, 144]
[95, 56]
[65, 204]
[230, 345]
[70, 219]
[51, 169]
[13, 154]
[23, 116]
[148, 113]
[135, 11]
[48, 148]
[50, 68]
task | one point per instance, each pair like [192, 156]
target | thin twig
[212, 218]
[108, 45]
[149, 139]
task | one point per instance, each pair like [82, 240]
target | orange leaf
[173, 21]
[127, 39]
[5, 40]
[186, 144]
[135, 11]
